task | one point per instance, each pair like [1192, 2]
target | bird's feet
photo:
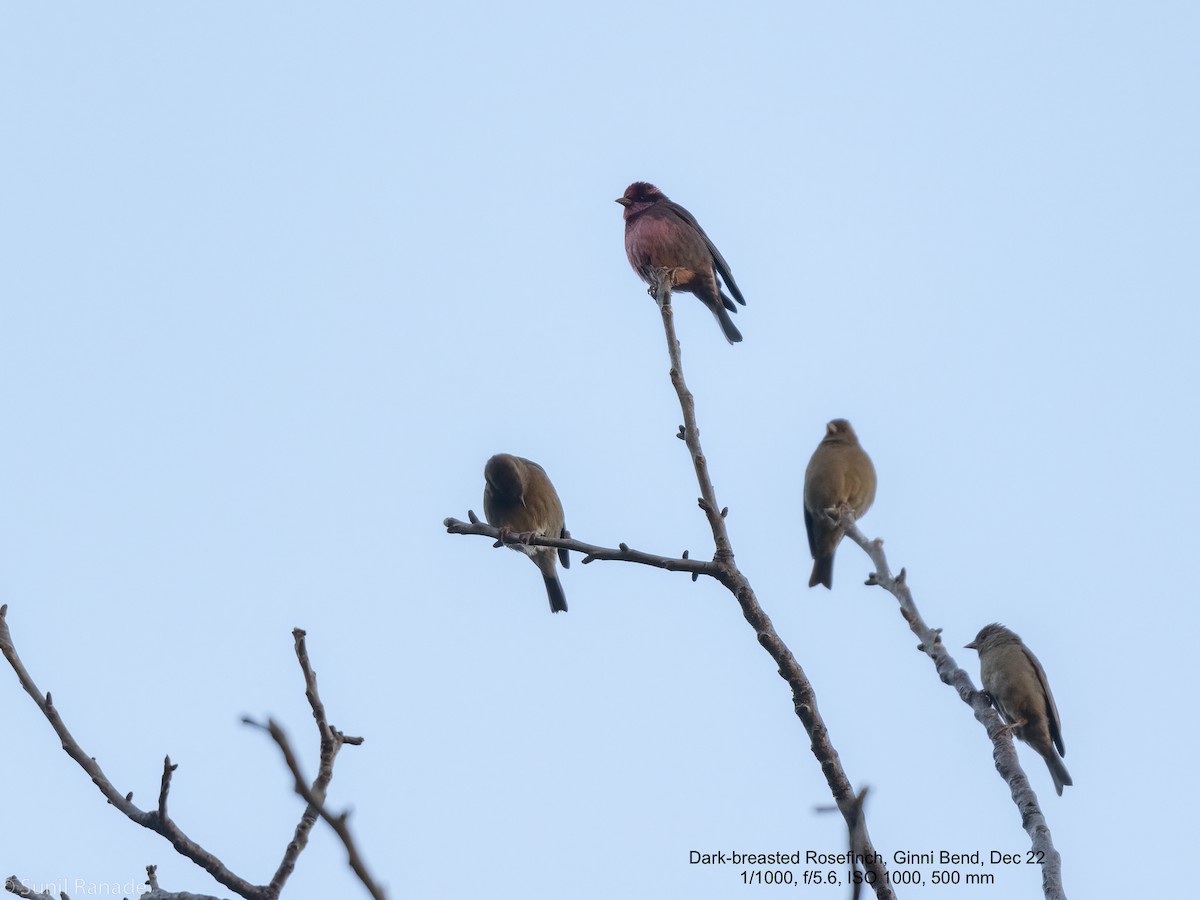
[505, 534]
[1009, 728]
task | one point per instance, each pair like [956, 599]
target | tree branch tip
[129, 797]
[3, 610]
[49, 700]
[724, 512]
[685, 555]
[695, 577]
[353, 740]
[499, 543]
[474, 518]
[872, 580]
[900, 579]
[877, 542]
[587, 559]
[623, 547]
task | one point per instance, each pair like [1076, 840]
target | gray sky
[279, 278]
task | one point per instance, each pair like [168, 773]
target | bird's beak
[971, 646]
[624, 201]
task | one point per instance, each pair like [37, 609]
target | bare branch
[804, 700]
[689, 431]
[1003, 753]
[159, 821]
[591, 552]
[331, 741]
[155, 820]
[316, 802]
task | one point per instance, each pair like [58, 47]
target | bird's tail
[727, 327]
[558, 600]
[822, 572]
[1058, 771]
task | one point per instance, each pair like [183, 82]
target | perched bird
[520, 498]
[839, 474]
[662, 234]
[1017, 684]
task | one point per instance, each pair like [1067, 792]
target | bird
[1016, 682]
[520, 498]
[662, 234]
[839, 474]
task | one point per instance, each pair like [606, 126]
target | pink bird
[662, 234]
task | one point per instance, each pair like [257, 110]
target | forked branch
[804, 699]
[159, 821]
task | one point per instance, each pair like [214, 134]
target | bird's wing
[1051, 707]
[722, 267]
[812, 537]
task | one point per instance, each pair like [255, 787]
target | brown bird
[839, 474]
[520, 498]
[662, 234]
[1017, 684]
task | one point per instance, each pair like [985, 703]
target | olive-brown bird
[661, 234]
[1017, 684]
[839, 474]
[520, 498]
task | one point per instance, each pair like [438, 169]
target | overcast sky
[279, 278]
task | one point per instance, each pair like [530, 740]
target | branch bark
[159, 821]
[804, 699]
[331, 741]
[1004, 753]
[724, 569]
[316, 802]
[591, 552]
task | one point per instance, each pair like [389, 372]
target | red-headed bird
[661, 234]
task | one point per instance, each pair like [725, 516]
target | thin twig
[591, 552]
[804, 699]
[316, 802]
[331, 742]
[159, 821]
[151, 819]
[1003, 752]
